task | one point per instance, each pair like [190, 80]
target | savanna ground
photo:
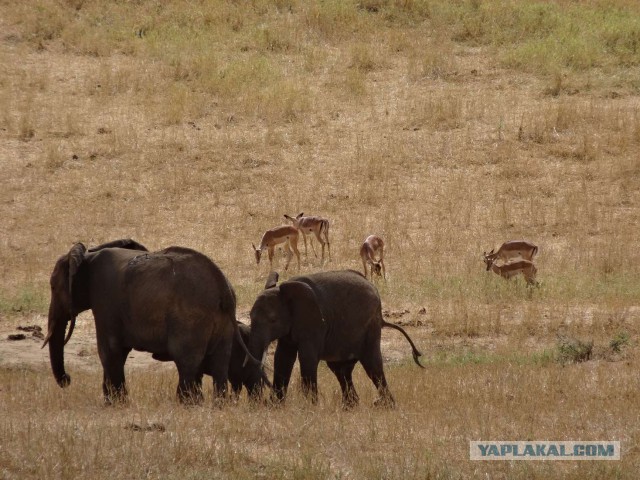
[445, 126]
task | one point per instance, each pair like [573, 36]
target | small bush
[618, 342]
[572, 350]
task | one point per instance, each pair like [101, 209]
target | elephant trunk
[255, 376]
[258, 344]
[56, 340]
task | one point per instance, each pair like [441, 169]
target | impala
[373, 245]
[318, 226]
[510, 250]
[513, 268]
[286, 234]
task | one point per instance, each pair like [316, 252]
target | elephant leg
[373, 366]
[283, 360]
[343, 371]
[189, 382]
[236, 388]
[309, 372]
[219, 368]
[113, 383]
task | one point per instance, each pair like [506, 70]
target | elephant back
[345, 296]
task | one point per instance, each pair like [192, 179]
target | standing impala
[286, 234]
[513, 268]
[318, 226]
[373, 245]
[510, 250]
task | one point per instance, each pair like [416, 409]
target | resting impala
[318, 226]
[513, 268]
[286, 234]
[512, 249]
[373, 245]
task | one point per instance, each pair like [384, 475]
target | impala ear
[300, 215]
[272, 280]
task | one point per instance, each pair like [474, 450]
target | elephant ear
[272, 280]
[76, 257]
[304, 309]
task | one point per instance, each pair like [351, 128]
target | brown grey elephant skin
[332, 316]
[175, 302]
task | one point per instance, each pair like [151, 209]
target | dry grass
[445, 127]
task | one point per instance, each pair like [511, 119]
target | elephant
[333, 316]
[241, 372]
[174, 303]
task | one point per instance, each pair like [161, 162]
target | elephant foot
[350, 402]
[274, 402]
[220, 402]
[190, 398]
[385, 402]
[114, 395]
[116, 400]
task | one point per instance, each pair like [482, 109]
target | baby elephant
[332, 316]
[242, 371]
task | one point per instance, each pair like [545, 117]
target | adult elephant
[175, 302]
[332, 316]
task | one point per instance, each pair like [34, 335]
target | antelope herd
[318, 226]
[514, 257]
[517, 257]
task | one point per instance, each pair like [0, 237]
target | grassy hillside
[446, 127]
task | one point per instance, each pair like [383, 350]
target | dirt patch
[82, 352]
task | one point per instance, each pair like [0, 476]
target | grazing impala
[372, 246]
[318, 226]
[286, 234]
[510, 250]
[513, 268]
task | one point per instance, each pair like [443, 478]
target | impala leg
[321, 242]
[294, 246]
[287, 250]
[326, 238]
[313, 248]
[271, 257]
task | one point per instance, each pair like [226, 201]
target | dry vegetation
[445, 126]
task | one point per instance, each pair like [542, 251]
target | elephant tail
[415, 352]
